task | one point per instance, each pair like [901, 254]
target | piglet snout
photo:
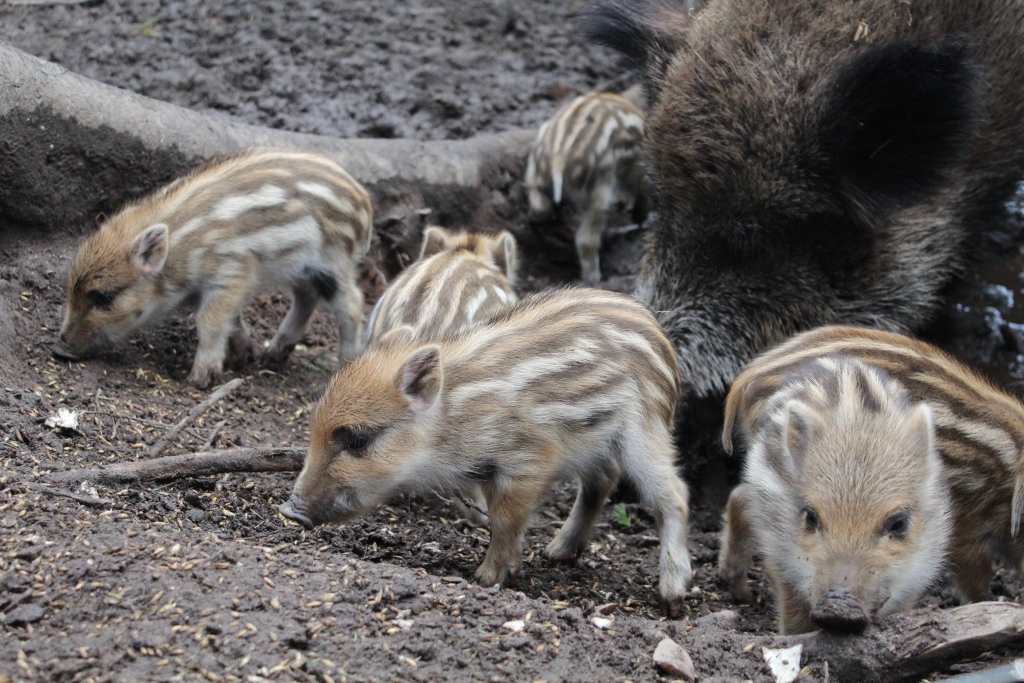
[295, 510]
[62, 350]
[839, 610]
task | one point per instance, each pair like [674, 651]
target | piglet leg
[348, 307]
[588, 235]
[509, 509]
[572, 538]
[737, 553]
[215, 319]
[304, 301]
[239, 344]
[648, 459]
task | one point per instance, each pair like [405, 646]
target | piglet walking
[253, 222]
[578, 382]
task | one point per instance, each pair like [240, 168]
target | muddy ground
[203, 579]
[427, 69]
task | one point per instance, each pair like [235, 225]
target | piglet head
[870, 511]
[368, 433]
[114, 284]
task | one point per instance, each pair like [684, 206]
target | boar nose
[839, 610]
[295, 510]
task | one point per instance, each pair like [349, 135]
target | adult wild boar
[816, 162]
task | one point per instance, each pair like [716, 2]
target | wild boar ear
[798, 428]
[647, 32]
[897, 120]
[420, 377]
[150, 250]
[504, 255]
[435, 240]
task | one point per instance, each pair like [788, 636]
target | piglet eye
[351, 440]
[358, 441]
[100, 299]
[897, 524]
[810, 518]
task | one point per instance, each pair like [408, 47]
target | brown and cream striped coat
[566, 382]
[589, 155]
[979, 433]
[255, 221]
[459, 280]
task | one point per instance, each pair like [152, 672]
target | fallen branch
[905, 647]
[189, 465]
[208, 444]
[196, 411]
[911, 645]
[75, 148]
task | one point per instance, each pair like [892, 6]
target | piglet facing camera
[874, 461]
[249, 223]
[567, 382]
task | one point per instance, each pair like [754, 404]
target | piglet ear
[420, 377]
[435, 240]
[799, 427]
[150, 250]
[505, 255]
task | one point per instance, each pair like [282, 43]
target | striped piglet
[589, 154]
[872, 461]
[248, 223]
[578, 382]
[459, 280]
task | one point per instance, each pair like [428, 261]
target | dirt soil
[203, 579]
[427, 69]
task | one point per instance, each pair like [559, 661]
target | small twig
[49, 490]
[188, 465]
[465, 501]
[198, 410]
[208, 444]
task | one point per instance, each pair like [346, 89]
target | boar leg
[348, 307]
[215, 320]
[738, 549]
[509, 510]
[572, 538]
[588, 236]
[648, 459]
[304, 301]
[972, 570]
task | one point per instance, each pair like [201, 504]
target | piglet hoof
[672, 608]
[276, 357]
[562, 553]
[741, 592]
[492, 574]
[839, 610]
[239, 357]
[201, 378]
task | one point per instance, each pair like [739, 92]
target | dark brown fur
[817, 162]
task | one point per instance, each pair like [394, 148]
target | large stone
[671, 658]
